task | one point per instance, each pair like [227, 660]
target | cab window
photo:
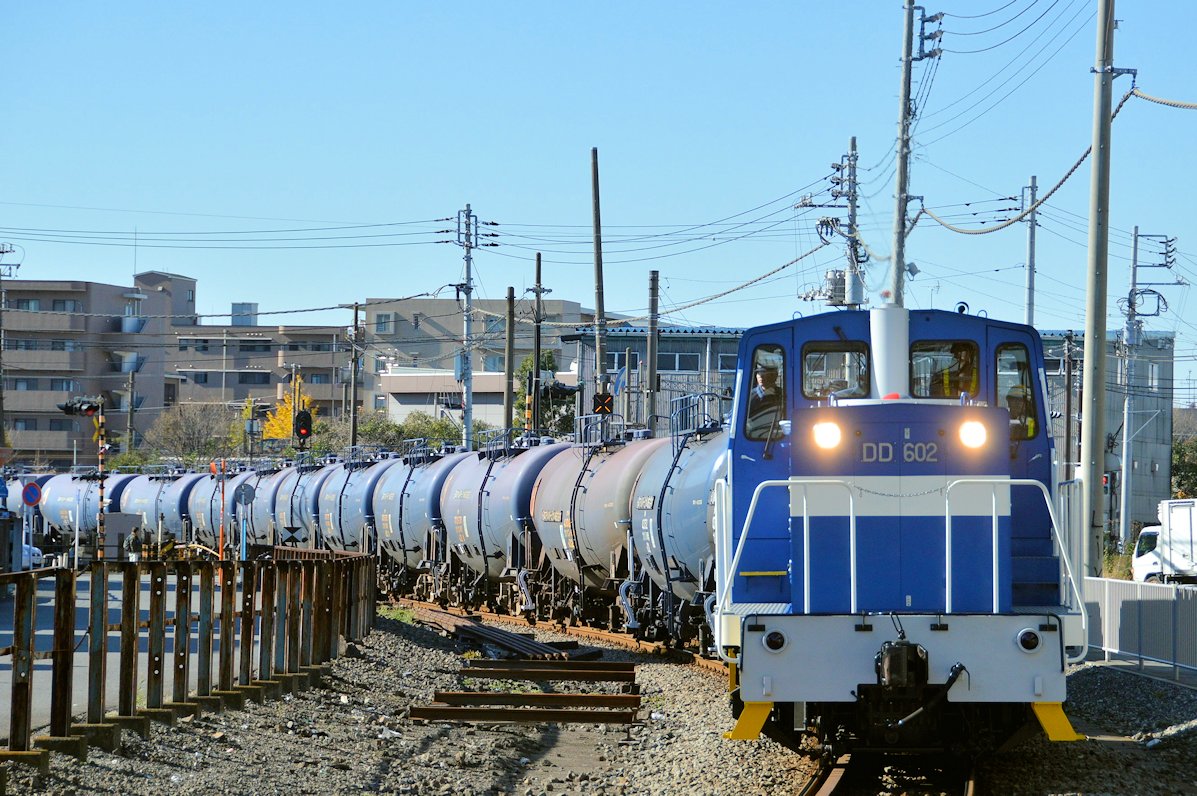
[944, 369]
[1146, 544]
[839, 369]
[766, 391]
[1015, 390]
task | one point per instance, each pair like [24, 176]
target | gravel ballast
[352, 736]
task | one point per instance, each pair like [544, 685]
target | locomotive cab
[891, 568]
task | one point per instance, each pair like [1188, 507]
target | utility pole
[537, 318]
[600, 317]
[508, 363]
[905, 114]
[355, 365]
[650, 368]
[1068, 446]
[1030, 303]
[1130, 339]
[1093, 432]
[846, 188]
[129, 442]
[7, 271]
[224, 368]
[467, 231]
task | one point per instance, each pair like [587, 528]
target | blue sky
[228, 138]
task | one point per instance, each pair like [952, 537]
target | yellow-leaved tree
[279, 421]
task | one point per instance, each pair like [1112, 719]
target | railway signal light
[81, 405]
[303, 425]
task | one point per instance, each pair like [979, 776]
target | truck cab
[1167, 552]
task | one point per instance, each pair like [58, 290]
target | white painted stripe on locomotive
[899, 495]
[825, 658]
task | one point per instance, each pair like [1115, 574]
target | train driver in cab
[765, 395]
[960, 376]
[1022, 415]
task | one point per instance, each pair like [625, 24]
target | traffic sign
[31, 494]
[244, 494]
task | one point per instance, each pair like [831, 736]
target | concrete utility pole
[7, 271]
[537, 318]
[650, 367]
[1093, 432]
[508, 361]
[129, 441]
[467, 232]
[1130, 339]
[905, 113]
[854, 285]
[355, 367]
[1030, 304]
[902, 177]
[600, 316]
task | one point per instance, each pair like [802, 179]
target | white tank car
[346, 503]
[407, 505]
[486, 502]
[673, 508]
[581, 507]
[161, 499]
[296, 523]
[266, 483]
[71, 500]
[204, 508]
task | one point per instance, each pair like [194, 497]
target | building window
[63, 424]
[24, 424]
[380, 364]
[22, 385]
[615, 360]
[493, 363]
[62, 385]
[384, 323]
[189, 342]
[1153, 375]
[728, 363]
[191, 295]
[253, 378]
[316, 346]
[683, 363]
[67, 305]
[380, 402]
[31, 304]
[199, 377]
[319, 378]
[254, 348]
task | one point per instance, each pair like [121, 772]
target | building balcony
[22, 401]
[16, 321]
[29, 443]
[126, 363]
[44, 361]
[125, 324]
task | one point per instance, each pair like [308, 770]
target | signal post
[93, 407]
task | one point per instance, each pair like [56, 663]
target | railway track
[912, 775]
[609, 637]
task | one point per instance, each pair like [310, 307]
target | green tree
[556, 414]
[1184, 468]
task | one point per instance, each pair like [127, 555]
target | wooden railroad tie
[562, 708]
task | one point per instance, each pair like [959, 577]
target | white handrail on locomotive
[1056, 534]
[722, 515]
[721, 585]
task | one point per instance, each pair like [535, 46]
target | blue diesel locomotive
[891, 572]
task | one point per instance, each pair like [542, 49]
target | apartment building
[426, 334]
[68, 338]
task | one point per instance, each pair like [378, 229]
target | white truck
[1167, 553]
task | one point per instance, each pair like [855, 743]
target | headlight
[972, 434]
[827, 435]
